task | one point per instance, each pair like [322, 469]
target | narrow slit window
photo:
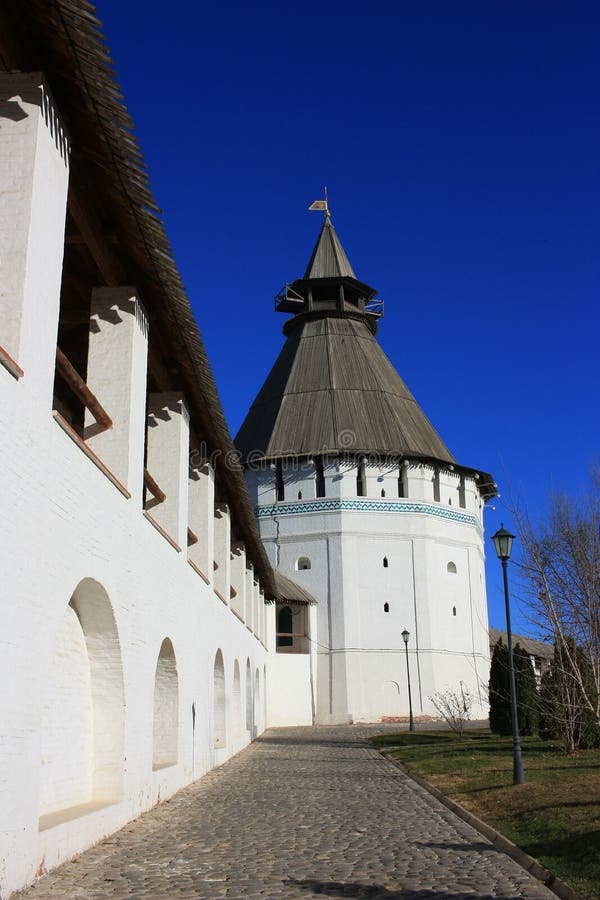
[319, 477]
[279, 485]
[386, 607]
[462, 497]
[436, 485]
[385, 562]
[361, 480]
[453, 610]
[401, 483]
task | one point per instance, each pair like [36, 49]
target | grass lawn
[554, 816]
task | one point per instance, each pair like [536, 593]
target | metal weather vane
[321, 204]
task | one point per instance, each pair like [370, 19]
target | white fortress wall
[109, 633]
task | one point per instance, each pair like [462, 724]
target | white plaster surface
[90, 530]
[34, 172]
[289, 690]
[117, 374]
[363, 606]
[168, 451]
[90, 590]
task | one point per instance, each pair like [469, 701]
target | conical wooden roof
[329, 258]
[333, 390]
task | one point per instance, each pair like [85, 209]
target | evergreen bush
[499, 691]
[527, 694]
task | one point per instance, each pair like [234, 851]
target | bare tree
[560, 562]
[455, 707]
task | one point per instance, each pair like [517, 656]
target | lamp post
[503, 540]
[411, 722]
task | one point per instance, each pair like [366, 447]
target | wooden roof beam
[97, 243]
[157, 368]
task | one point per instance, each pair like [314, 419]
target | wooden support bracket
[74, 380]
[151, 485]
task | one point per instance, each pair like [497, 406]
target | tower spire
[329, 282]
[328, 258]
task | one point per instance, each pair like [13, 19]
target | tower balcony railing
[288, 300]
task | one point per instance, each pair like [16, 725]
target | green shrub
[499, 691]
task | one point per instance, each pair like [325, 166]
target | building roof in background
[535, 648]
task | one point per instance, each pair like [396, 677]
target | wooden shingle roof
[333, 390]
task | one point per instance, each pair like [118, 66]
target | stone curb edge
[529, 863]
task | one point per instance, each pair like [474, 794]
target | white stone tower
[360, 502]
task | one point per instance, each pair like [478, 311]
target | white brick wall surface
[62, 522]
[98, 724]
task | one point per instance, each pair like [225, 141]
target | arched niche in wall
[391, 699]
[219, 702]
[256, 696]
[165, 729]
[451, 568]
[248, 696]
[83, 709]
[302, 564]
[237, 702]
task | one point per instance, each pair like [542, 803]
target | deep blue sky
[460, 145]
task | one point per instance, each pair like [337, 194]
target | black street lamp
[503, 540]
[411, 721]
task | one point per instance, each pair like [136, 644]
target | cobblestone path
[303, 812]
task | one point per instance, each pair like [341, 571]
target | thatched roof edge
[289, 591]
[65, 41]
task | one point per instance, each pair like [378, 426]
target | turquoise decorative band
[339, 505]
